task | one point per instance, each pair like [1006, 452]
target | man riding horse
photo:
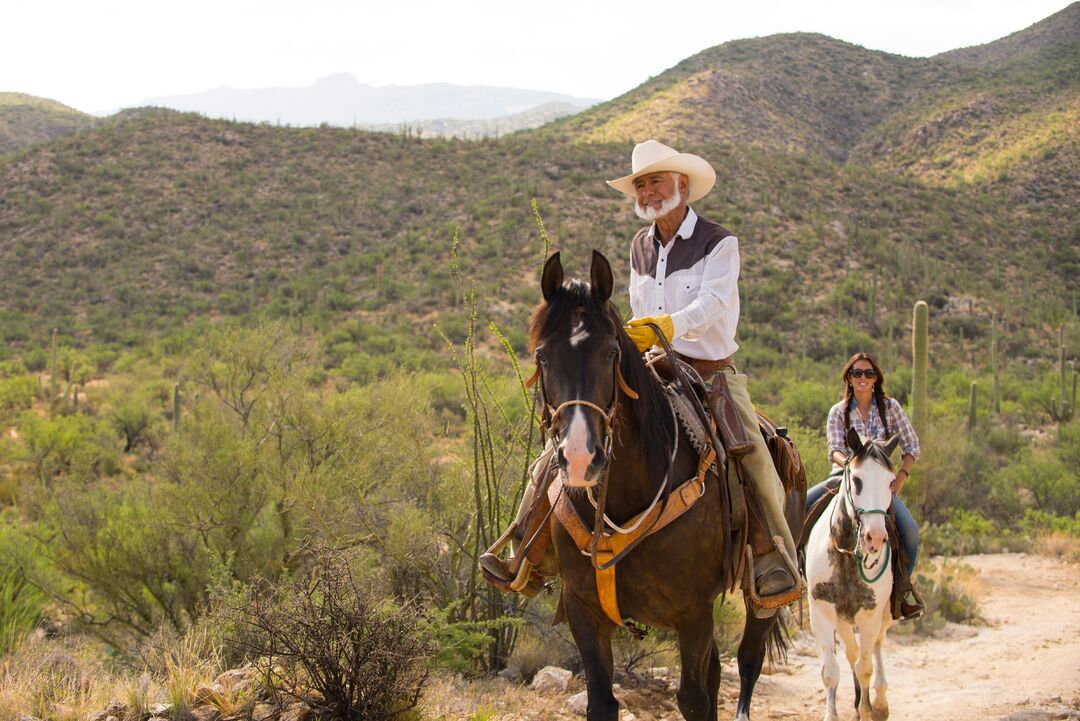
[684, 280]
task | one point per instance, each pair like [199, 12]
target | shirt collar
[853, 405]
[685, 230]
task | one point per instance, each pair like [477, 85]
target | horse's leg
[824, 627]
[751, 656]
[846, 631]
[864, 666]
[593, 638]
[696, 647]
[880, 706]
[714, 680]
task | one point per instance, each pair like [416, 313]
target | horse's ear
[600, 275]
[854, 441]
[890, 445]
[551, 281]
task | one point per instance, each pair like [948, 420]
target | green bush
[18, 392]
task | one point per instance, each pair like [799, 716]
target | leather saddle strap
[611, 549]
[726, 554]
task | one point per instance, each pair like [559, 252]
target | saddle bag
[785, 455]
[729, 424]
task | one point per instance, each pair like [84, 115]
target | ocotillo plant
[920, 361]
[972, 408]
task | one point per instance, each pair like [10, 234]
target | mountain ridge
[341, 100]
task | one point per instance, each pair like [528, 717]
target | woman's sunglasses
[859, 373]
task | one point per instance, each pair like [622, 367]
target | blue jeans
[905, 524]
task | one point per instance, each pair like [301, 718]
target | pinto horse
[849, 576]
[616, 435]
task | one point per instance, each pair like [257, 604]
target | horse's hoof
[879, 713]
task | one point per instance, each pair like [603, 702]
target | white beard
[651, 214]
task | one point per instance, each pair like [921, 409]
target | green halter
[859, 513]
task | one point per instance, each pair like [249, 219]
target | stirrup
[784, 598]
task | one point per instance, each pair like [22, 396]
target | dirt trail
[1022, 665]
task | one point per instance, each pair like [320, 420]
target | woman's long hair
[879, 390]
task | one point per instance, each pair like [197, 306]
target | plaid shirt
[872, 428]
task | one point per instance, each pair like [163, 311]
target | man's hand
[645, 337]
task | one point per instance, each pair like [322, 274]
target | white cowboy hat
[652, 156]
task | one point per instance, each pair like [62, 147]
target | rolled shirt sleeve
[837, 434]
[898, 421]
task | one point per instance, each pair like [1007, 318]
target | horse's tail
[778, 641]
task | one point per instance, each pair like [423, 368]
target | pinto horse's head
[870, 487]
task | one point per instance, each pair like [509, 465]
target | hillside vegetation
[27, 120]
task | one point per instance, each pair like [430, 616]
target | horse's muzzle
[582, 470]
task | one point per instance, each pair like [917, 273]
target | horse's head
[577, 339]
[869, 487]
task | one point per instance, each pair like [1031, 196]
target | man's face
[657, 194]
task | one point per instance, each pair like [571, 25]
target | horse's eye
[613, 354]
[541, 358]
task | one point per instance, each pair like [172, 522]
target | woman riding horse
[875, 416]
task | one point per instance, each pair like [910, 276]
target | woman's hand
[898, 481]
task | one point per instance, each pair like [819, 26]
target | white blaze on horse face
[875, 494]
[575, 449]
[578, 333]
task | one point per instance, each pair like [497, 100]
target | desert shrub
[54, 446]
[17, 392]
[327, 631]
[1035, 480]
[807, 403]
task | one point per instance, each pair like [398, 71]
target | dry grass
[69, 679]
[1055, 544]
[60, 680]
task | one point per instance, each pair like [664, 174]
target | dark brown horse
[671, 579]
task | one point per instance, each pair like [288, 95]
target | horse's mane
[651, 410]
[874, 450]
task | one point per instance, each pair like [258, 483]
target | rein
[857, 554]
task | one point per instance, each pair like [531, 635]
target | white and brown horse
[849, 576]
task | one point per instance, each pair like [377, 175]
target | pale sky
[106, 54]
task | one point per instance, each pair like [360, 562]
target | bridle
[857, 553]
[550, 415]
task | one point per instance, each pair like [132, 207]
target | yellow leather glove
[645, 337]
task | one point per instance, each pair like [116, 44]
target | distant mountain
[484, 128]
[27, 120]
[343, 101]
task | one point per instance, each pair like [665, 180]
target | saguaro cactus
[176, 407]
[972, 408]
[54, 368]
[1060, 408]
[920, 360]
[995, 397]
